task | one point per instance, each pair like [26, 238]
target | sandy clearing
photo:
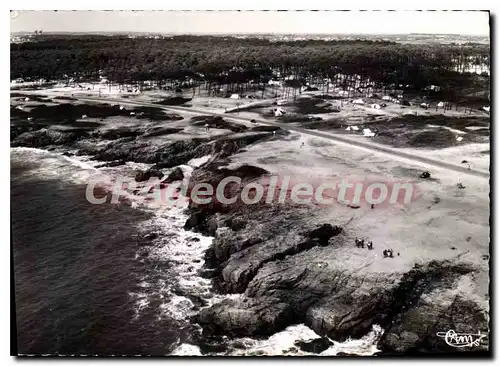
[473, 153]
[457, 227]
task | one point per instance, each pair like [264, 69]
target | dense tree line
[242, 64]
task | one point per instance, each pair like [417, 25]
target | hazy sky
[385, 22]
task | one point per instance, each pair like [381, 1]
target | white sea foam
[283, 343]
[187, 350]
[197, 162]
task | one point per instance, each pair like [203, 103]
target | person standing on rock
[207, 127]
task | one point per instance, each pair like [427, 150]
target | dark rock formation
[324, 232]
[245, 317]
[46, 137]
[314, 346]
[118, 133]
[217, 122]
[274, 264]
[266, 128]
[143, 176]
[236, 223]
[175, 175]
[197, 221]
[425, 175]
[151, 236]
[111, 164]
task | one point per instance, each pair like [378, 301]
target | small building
[435, 88]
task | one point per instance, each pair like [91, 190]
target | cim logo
[461, 340]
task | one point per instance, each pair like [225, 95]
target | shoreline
[276, 266]
[275, 345]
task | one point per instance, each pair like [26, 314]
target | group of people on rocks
[389, 253]
[360, 243]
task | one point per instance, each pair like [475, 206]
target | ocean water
[89, 281]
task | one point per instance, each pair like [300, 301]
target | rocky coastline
[286, 261]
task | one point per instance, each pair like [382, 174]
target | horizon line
[250, 33]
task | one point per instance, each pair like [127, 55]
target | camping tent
[235, 96]
[358, 101]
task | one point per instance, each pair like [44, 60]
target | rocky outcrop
[174, 175]
[143, 176]
[286, 263]
[323, 233]
[111, 164]
[217, 122]
[317, 345]
[266, 128]
[245, 317]
[118, 133]
[287, 275]
[45, 137]
[441, 310]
